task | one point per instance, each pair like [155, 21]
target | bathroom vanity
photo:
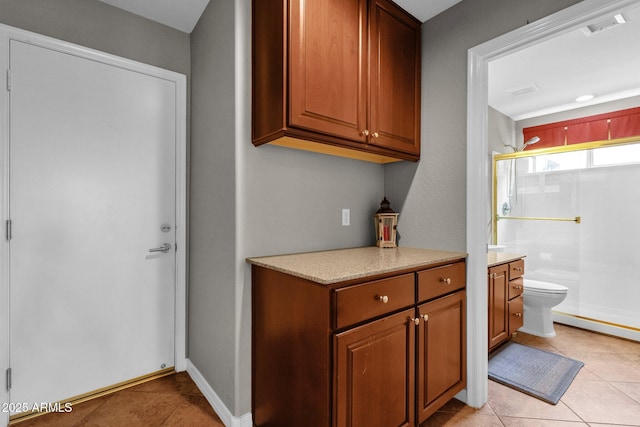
[357, 337]
[505, 287]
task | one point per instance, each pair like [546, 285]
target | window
[561, 161]
[618, 155]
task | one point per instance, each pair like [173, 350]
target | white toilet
[539, 297]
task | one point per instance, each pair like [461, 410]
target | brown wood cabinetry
[441, 352]
[337, 77]
[364, 352]
[505, 301]
[374, 373]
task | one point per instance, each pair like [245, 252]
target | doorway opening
[478, 164]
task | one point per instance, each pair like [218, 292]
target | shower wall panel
[597, 259]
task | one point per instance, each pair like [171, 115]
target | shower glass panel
[574, 211]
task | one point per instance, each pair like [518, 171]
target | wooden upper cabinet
[327, 69]
[395, 78]
[339, 77]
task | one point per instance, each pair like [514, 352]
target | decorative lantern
[386, 223]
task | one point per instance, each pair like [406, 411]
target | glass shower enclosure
[574, 211]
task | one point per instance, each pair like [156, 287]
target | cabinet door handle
[446, 281]
[425, 317]
[364, 132]
[415, 320]
[518, 269]
[375, 135]
[517, 314]
[383, 299]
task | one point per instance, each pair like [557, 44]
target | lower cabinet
[506, 303]
[441, 352]
[374, 373]
[498, 297]
[376, 353]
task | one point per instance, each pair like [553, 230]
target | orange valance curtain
[613, 125]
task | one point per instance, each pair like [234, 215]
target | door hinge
[9, 80]
[8, 229]
[8, 379]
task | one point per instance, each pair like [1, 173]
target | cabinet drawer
[516, 269]
[516, 314]
[515, 287]
[439, 281]
[365, 301]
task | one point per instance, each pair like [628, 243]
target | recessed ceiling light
[584, 98]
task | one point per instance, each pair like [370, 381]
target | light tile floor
[605, 393]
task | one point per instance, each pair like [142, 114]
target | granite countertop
[327, 267]
[497, 258]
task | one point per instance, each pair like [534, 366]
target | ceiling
[182, 15]
[539, 80]
[547, 78]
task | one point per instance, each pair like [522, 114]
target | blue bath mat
[535, 372]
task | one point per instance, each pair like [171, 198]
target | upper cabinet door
[339, 77]
[394, 67]
[327, 67]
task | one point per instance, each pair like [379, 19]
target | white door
[92, 190]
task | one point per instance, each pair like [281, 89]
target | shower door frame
[539, 152]
[598, 325]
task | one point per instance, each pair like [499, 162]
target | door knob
[165, 247]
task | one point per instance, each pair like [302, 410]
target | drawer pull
[415, 320]
[383, 299]
[445, 281]
[518, 287]
[517, 314]
[518, 269]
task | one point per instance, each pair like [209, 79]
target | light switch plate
[346, 216]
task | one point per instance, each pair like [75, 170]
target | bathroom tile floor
[605, 393]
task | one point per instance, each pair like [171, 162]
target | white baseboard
[227, 418]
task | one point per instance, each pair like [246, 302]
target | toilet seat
[539, 287]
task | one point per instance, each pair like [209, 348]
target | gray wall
[500, 131]
[248, 201]
[432, 194]
[290, 201]
[97, 25]
[212, 246]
